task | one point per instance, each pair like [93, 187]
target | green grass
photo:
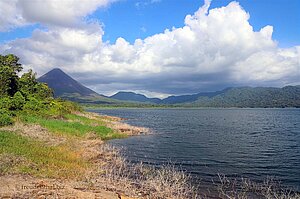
[84, 120]
[74, 128]
[41, 160]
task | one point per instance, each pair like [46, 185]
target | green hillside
[259, 97]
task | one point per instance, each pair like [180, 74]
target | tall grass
[140, 180]
[38, 159]
[245, 188]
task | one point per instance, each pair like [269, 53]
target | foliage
[5, 118]
[33, 105]
[28, 82]
[42, 91]
[5, 103]
[261, 97]
[9, 80]
[25, 95]
[29, 86]
[17, 101]
[16, 91]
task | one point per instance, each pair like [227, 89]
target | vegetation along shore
[51, 148]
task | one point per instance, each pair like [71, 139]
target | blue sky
[113, 45]
[132, 19]
[143, 18]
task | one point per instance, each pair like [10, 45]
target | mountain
[190, 98]
[66, 87]
[63, 84]
[134, 97]
[258, 97]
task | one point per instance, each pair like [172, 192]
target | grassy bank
[74, 125]
[70, 147]
[23, 155]
[31, 154]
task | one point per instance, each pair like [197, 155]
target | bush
[18, 101]
[5, 118]
[5, 103]
[33, 105]
[59, 108]
[70, 107]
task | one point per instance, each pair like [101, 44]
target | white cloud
[10, 15]
[214, 49]
[66, 13]
[56, 47]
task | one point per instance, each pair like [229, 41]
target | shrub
[33, 105]
[18, 101]
[71, 106]
[5, 118]
[59, 108]
[5, 103]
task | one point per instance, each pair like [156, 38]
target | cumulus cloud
[70, 13]
[215, 48]
[10, 15]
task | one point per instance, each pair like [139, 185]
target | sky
[157, 47]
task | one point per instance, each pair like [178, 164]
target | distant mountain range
[66, 87]
[288, 96]
[134, 97]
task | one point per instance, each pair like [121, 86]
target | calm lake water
[251, 143]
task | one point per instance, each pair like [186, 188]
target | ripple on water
[254, 143]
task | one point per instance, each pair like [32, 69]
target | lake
[250, 143]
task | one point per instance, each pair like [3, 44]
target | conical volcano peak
[63, 84]
[56, 70]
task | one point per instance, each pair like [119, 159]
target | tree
[42, 91]
[9, 67]
[29, 86]
[27, 83]
[18, 101]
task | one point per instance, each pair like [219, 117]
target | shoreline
[106, 173]
[27, 186]
[268, 187]
[152, 106]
